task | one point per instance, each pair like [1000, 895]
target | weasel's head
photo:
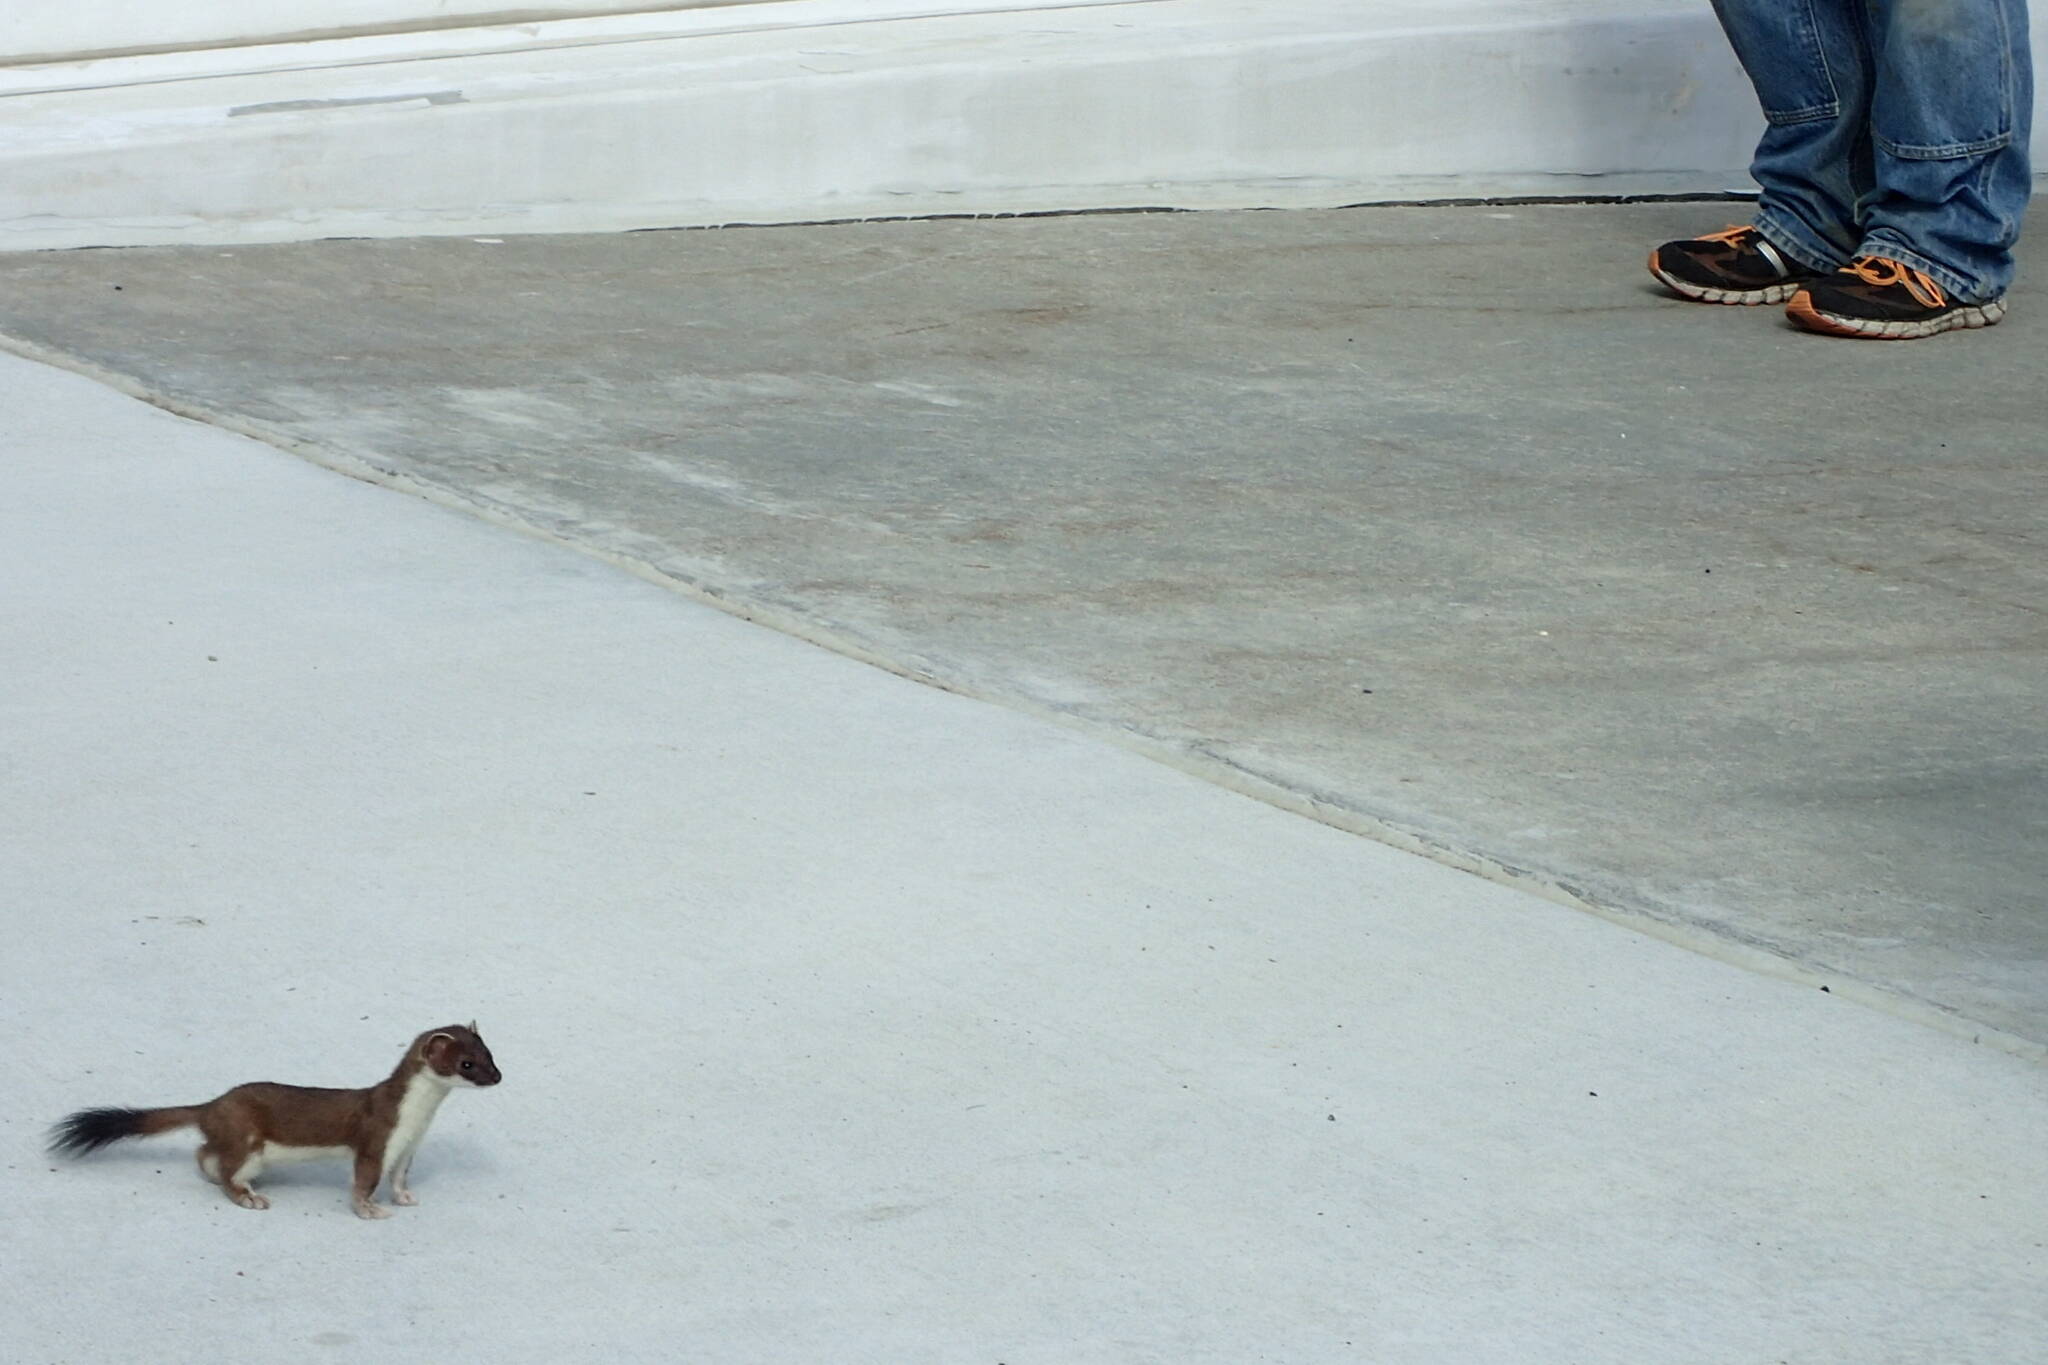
[456, 1056]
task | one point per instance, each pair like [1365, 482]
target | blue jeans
[1897, 128]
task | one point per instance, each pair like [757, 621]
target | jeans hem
[1958, 288]
[1795, 240]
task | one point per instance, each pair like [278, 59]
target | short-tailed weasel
[261, 1123]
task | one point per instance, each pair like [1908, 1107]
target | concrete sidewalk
[1437, 524]
[844, 1020]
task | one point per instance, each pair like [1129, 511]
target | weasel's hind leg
[231, 1153]
[236, 1175]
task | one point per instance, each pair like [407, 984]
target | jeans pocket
[1779, 42]
[1945, 79]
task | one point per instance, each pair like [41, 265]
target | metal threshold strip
[391, 48]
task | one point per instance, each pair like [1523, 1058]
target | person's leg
[1810, 63]
[1953, 108]
[1812, 66]
[1950, 115]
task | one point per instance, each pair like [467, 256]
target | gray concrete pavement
[1438, 523]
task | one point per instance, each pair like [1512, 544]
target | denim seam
[1789, 118]
[2008, 224]
[1817, 52]
[1952, 152]
[2006, 83]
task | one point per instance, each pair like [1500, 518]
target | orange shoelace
[1876, 270]
[1727, 236]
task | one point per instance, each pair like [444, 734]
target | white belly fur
[278, 1154]
[416, 1109]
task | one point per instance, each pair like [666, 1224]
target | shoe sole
[1803, 312]
[1740, 298]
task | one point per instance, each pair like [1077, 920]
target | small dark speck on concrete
[213, 658]
[1333, 1118]
[1594, 1093]
[1824, 988]
[117, 288]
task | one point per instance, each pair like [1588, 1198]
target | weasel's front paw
[249, 1199]
[404, 1198]
[365, 1209]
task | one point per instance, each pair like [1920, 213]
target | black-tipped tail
[88, 1130]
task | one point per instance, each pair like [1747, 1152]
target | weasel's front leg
[369, 1167]
[401, 1193]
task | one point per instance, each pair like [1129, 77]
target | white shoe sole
[1834, 324]
[1742, 298]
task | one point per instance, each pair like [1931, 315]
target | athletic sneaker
[1734, 265]
[1885, 301]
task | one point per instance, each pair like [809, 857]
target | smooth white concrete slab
[843, 1019]
[826, 109]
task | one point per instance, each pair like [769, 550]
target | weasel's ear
[433, 1038]
[472, 1026]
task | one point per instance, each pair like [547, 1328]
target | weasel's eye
[469, 1066]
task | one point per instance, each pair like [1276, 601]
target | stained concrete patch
[1441, 521]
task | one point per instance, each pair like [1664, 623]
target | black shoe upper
[1871, 289]
[1737, 259]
